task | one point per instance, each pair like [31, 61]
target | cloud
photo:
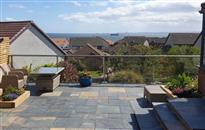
[20, 7]
[97, 3]
[156, 11]
[89, 3]
[17, 6]
[10, 19]
[76, 3]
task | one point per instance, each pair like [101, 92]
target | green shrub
[96, 73]
[50, 65]
[193, 85]
[126, 77]
[181, 81]
[28, 68]
[11, 89]
[10, 93]
[184, 86]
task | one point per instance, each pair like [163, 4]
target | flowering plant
[177, 91]
[10, 93]
[84, 74]
[10, 97]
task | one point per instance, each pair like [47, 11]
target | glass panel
[48, 70]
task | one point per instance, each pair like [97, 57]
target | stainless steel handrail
[106, 56]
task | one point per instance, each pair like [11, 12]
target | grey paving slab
[88, 124]
[91, 102]
[80, 108]
[108, 109]
[86, 109]
[118, 102]
[126, 109]
[68, 122]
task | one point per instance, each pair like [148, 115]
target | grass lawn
[95, 74]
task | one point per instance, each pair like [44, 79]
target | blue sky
[106, 16]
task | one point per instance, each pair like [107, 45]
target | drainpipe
[202, 11]
[201, 75]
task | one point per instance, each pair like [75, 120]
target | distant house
[78, 42]
[179, 39]
[88, 49]
[26, 38]
[127, 40]
[131, 40]
[63, 43]
[93, 62]
[157, 42]
[137, 40]
[147, 41]
[110, 42]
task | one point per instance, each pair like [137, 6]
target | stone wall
[4, 50]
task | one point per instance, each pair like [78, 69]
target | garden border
[18, 101]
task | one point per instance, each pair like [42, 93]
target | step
[145, 117]
[167, 118]
[191, 112]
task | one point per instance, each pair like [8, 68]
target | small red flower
[177, 91]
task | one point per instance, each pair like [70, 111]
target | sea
[108, 36]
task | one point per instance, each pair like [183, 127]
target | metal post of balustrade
[57, 60]
[11, 62]
[104, 68]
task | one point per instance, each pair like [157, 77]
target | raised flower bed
[13, 97]
[182, 86]
[169, 92]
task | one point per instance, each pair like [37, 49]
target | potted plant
[85, 79]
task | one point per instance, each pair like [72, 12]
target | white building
[26, 38]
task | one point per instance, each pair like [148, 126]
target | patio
[69, 107]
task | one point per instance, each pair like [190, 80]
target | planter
[169, 92]
[16, 102]
[85, 81]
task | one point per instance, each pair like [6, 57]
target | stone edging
[169, 93]
[16, 102]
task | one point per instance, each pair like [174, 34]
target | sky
[106, 16]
